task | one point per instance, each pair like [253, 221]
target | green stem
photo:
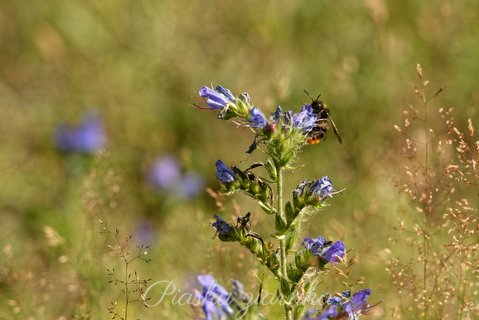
[282, 245]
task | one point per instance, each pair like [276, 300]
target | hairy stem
[282, 245]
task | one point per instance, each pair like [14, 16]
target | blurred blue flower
[223, 173]
[144, 233]
[306, 119]
[216, 99]
[191, 185]
[87, 137]
[322, 187]
[257, 120]
[238, 291]
[166, 175]
[165, 172]
[214, 298]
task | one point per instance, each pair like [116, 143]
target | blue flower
[214, 298]
[288, 118]
[333, 300]
[276, 116]
[342, 307]
[324, 249]
[330, 313]
[222, 227]
[306, 119]
[334, 252]
[87, 137]
[190, 185]
[257, 120]
[315, 245]
[216, 99]
[223, 173]
[226, 92]
[322, 187]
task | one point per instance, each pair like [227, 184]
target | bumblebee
[318, 133]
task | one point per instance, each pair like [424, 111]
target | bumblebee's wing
[335, 130]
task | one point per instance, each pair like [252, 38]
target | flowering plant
[295, 266]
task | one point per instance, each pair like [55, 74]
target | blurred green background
[139, 64]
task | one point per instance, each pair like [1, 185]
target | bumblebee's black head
[316, 104]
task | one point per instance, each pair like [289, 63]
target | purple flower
[166, 172]
[87, 137]
[216, 99]
[223, 173]
[222, 227]
[358, 302]
[257, 120]
[334, 252]
[322, 187]
[306, 119]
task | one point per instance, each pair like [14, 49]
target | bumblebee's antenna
[319, 95]
[309, 95]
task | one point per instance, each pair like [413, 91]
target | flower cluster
[216, 301]
[281, 137]
[342, 306]
[284, 133]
